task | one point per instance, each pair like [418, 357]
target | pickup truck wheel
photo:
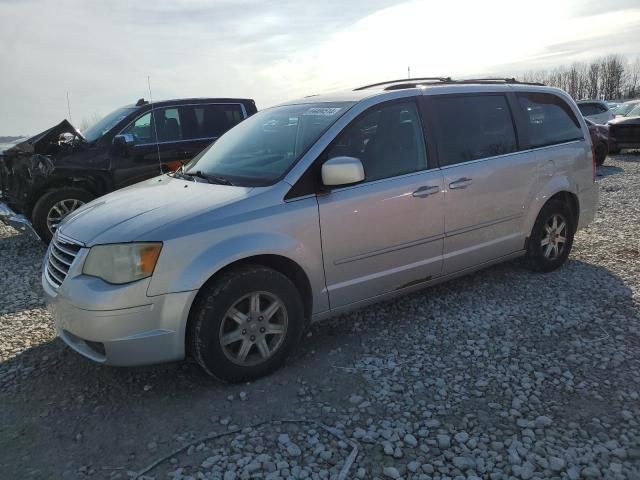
[54, 206]
[244, 324]
[551, 238]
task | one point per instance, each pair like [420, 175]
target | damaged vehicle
[624, 131]
[48, 176]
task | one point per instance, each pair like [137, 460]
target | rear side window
[472, 127]
[210, 121]
[591, 108]
[549, 119]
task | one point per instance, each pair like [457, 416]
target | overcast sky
[101, 52]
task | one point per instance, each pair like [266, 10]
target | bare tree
[609, 77]
[632, 81]
[593, 80]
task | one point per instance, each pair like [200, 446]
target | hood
[43, 139]
[132, 213]
[625, 121]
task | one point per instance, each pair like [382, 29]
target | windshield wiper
[209, 178]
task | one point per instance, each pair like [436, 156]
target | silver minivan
[316, 207]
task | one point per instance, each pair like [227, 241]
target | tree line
[610, 78]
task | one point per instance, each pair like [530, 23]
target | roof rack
[411, 80]
[416, 82]
[492, 80]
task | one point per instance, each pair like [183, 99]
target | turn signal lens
[148, 257]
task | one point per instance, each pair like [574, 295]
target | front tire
[244, 324]
[551, 238]
[54, 206]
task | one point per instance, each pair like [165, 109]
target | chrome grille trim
[62, 253]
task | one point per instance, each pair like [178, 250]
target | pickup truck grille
[61, 256]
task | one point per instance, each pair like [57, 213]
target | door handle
[460, 183]
[426, 190]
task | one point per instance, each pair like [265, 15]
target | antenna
[69, 108]
[153, 122]
[409, 72]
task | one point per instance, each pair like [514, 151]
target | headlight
[123, 262]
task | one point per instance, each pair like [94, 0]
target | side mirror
[124, 141]
[339, 171]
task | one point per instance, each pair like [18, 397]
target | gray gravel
[503, 374]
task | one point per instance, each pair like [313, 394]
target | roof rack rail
[491, 80]
[405, 80]
[415, 82]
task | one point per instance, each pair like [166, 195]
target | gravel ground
[502, 374]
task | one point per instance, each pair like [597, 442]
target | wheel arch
[95, 185]
[563, 193]
[571, 200]
[284, 265]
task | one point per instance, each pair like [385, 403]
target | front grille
[62, 253]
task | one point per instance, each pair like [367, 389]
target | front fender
[554, 185]
[230, 250]
[186, 263]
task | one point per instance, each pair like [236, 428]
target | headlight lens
[123, 262]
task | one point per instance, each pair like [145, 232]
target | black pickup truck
[45, 177]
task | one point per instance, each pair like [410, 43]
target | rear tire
[614, 151]
[601, 153]
[551, 238]
[245, 324]
[54, 206]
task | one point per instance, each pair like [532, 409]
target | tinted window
[168, 124]
[388, 140]
[209, 121]
[550, 119]
[471, 127]
[591, 108]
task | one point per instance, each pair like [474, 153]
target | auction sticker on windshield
[322, 111]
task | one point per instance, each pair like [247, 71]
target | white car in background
[624, 109]
[597, 111]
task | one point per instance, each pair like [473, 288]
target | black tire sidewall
[213, 303]
[535, 254]
[50, 198]
[601, 153]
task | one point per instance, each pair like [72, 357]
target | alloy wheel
[555, 237]
[60, 210]
[254, 328]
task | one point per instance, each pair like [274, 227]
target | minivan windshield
[102, 126]
[262, 148]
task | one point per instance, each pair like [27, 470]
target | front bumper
[118, 324]
[15, 220]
